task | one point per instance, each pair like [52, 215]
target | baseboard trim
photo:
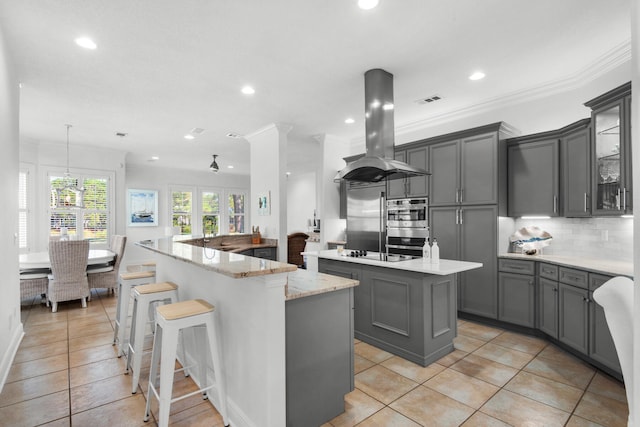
[10, 354]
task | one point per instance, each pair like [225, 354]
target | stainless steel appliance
[406, 226]
[365, 221]
[378, 163]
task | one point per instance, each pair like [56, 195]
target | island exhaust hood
[378, 162]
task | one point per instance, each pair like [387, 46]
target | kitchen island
[407, 308]
[286, 334]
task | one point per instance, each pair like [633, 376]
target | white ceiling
[163, 67]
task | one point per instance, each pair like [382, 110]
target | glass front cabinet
[611, 149]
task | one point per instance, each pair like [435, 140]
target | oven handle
[404, 247]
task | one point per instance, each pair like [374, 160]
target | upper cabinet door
[534, 184]
[418, 185]
[576, 173]
[609, 167]
[444, 166]
[611, 150]
[397, 188]
[479, 170]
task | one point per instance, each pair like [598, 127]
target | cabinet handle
[555, 204]
[457, 195]
[555, 289]
[585, 202]
[586, 299]
[618, 200]
[461, 217]
[461, 194]
[624, 199]
[457, 216]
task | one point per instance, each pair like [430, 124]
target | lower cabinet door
[574, 317]
[548, 307]
[516, 299]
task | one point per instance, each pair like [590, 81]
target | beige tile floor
[66, 373]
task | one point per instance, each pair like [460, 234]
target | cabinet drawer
[516, 266]
[597, 280]
[548, 271]
[573, 277]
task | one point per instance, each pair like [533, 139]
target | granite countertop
[224, 262]
[236, 243]
[304, 283]
[594, 265]
[418, 265]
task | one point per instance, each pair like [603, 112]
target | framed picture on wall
[142, 208]
[264, 203]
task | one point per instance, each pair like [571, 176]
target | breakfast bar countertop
[304, 283]
[229, 263]
[594, 265]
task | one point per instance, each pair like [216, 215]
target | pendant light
[214, 165]
[69, 186]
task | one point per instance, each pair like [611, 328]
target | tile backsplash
[605, 238]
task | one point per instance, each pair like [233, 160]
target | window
[181, 210]
[236, 213]
[91, 221]
[210, 208]
[25, 202]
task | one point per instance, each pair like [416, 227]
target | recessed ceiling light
[349, 121]
[86, 43]
[230, 167]
[189, 136]
[367, 4]
[478, 75]
[248, 90]
[288, 173]
[154, 158]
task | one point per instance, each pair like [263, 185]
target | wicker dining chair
[295, 245]
[68, 278]
[107, 277]
[33, 285]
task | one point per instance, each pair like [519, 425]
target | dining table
[40, 260]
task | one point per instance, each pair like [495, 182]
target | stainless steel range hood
[378, 162]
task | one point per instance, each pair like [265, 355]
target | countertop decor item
[531, 239]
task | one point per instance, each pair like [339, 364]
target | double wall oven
[407, 226]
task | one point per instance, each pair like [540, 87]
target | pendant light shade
[70, 194]
[214, 165]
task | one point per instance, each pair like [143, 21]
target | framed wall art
[142, 208]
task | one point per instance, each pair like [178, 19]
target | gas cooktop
[355, 253]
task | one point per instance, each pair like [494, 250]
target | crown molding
[612, 59]
[282, 128]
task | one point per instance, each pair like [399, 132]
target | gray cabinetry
[444, 165]
[516, 292]
[410, 314]
[548, 299]
[534, 182]
[611, 147]
[415, 186]
[319, 356]
[465, 171]
[601, 346]
[576, 171]
[469, 234]
[573, 306]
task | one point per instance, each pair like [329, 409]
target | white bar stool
[170, 320]
[143, 297]
[126, 282]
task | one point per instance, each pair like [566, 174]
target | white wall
[268, 176]
[154, 178]
[301, 201]
[11, 330]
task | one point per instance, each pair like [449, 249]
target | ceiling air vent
[429, 100]
[196, 131]
[121, 134]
